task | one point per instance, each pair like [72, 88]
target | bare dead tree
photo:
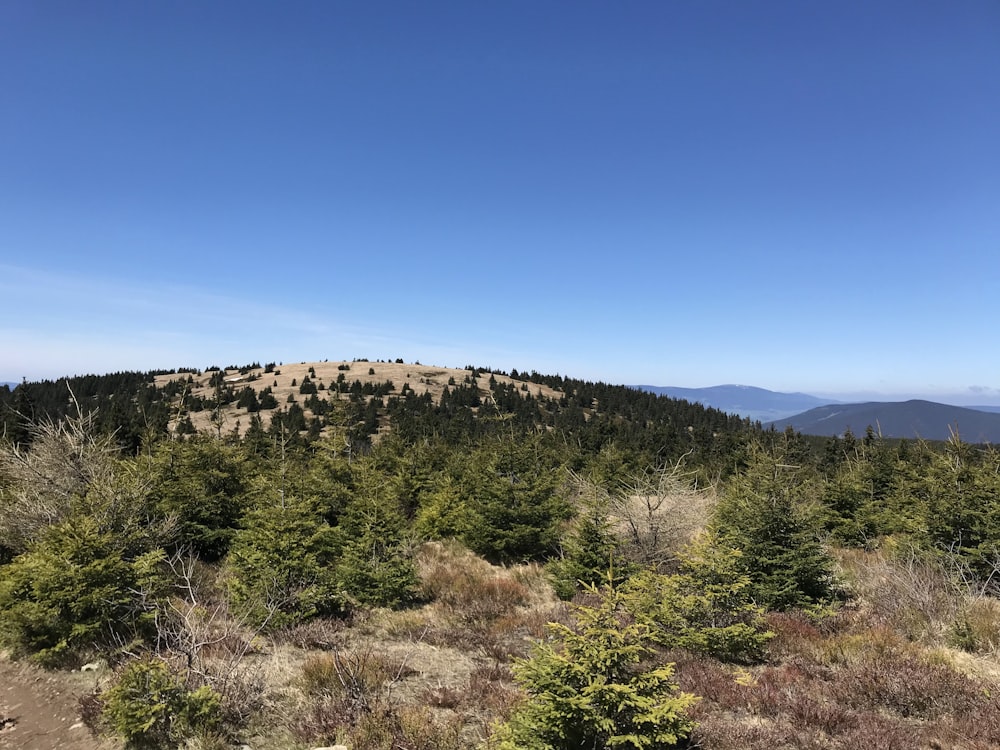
[209, 644]
[658, 512]
[65, 460]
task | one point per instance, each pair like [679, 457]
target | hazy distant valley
[757, 404]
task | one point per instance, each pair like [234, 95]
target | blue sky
[793, 195]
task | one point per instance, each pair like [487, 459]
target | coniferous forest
[387, 555]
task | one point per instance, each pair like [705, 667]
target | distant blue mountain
[898, 419]
[990, 409]
[744, 400]
[10, 385]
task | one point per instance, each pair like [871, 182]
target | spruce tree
[201, 484]
[376, 567]
[592, 686]
[589, 550]
[516, 503]
[762, 513]
[280, 566]
[706, 607]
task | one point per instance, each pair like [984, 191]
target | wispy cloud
[66, 324]
[984, 390]
[70, 325]
[46, 296]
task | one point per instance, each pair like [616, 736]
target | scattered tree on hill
[248, 400]
[267, 400]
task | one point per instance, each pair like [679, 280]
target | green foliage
[868, 493]
[78, 589]
[443, 513]
[962, 492]
[280, 565]
[125, 404]
[376, 566]
[516, 507]
[202, 484]
[588, 550]
[152, 710]
[762, 513]
[705, 608]
[941, 498]
[321, 476]
[186, 427]
[607, 466]
[267, 399]
[415, 470]
[88, 574]
[589, 687]
[247, 399]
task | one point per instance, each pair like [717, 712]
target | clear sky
[801, 196]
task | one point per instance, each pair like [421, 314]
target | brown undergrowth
[880, 673]
[435, 676]
[883, 671]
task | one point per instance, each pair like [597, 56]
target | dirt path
[39, 710]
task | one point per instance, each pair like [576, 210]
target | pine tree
[591, 686]
[279, 568]
[376, 567]
[761, 513]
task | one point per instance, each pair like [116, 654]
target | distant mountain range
[10, 385]
[758, 404]
[992, 409]
[909, 419]
[811, 415]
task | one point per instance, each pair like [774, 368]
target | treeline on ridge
[591, 414]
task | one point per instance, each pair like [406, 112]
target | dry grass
[888, 702]
[420, 378]
[903, 592]
[493, 611]
[875, 675]
[435, 676]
